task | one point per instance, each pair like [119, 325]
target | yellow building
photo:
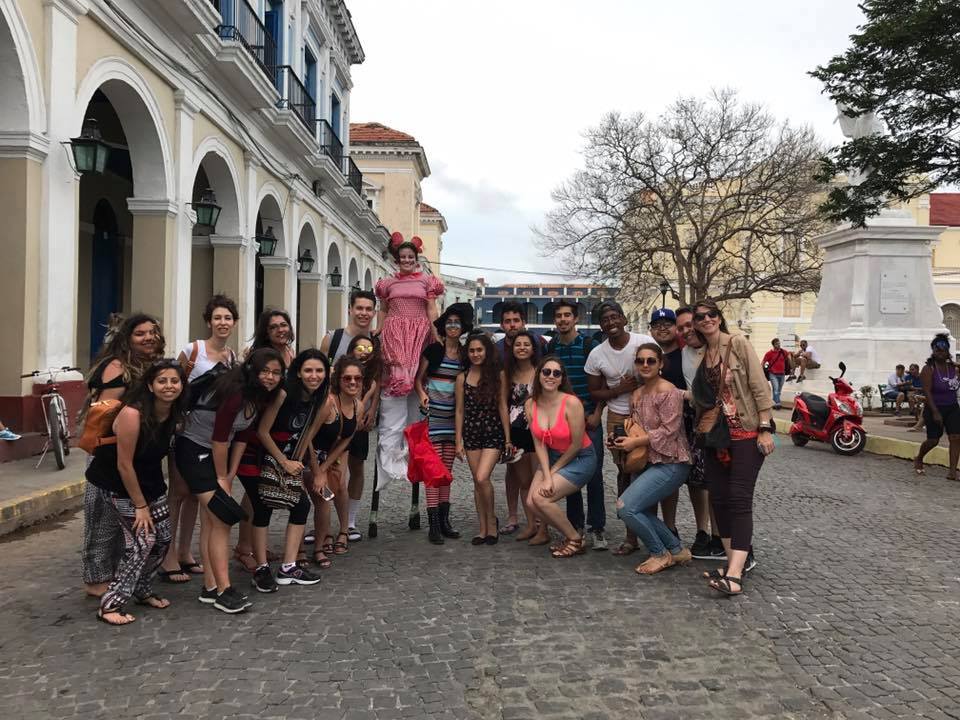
[250, 100]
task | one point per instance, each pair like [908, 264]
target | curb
[892, 447]
[33, 507]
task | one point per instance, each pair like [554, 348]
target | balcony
[354, 176]
[296, 97]
[247, 51]
[330, 144]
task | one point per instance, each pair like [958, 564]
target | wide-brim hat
[464, 311]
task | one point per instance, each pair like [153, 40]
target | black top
[96, 382]
[673, 370]
[336, 430]
[290, 424]
[147, 463]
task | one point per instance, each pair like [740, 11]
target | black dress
[482, 428]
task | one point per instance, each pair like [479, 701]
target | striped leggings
[142, 553]
[447, 452]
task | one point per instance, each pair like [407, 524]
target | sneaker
[715, 550]
[263, 580]
[231, 602]
[701, 546]
[297, 576]
[599, 540]
[8, 434]
[751, 562]
[354, 535]
[208, 597]
[309, 538]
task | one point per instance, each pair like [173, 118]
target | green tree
[904, 65]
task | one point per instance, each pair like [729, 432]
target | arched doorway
[270, 276]
[368, 280]
[354, 275]
[106, 272]
[308, 288]
[951, 318]
[532, 313]
[334, 294]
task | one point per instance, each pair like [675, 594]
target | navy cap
[663, 314]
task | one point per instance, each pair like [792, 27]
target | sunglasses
[453, 324]
[547, 372]
[646, 361]
[350, 379]
[366, 349]
[712, 314]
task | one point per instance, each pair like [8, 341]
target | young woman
[198, 358]
[275, 330]
[203, 458]
[482, 428]
[563, 449]
[441, 364]
[941, 380]
[331, 441]
[129, 475]
[518, 376]
[657, 407]
[126, 355]
[365, 350]
[292, 415]
[730, 379]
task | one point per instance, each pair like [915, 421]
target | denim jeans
[776, 384]
[639, 511]
[596, 513]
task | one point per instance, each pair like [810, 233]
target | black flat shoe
[477, 540]
[491, 539]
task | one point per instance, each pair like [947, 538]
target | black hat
[464, 311]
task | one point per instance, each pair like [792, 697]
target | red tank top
[557, 437]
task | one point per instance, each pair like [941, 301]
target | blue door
[105, 273]
[273, 21]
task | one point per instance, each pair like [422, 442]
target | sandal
[340, 548]
[918, 467]
[543, 539]
[509, 529]
[528, 532]
[246, 560]
[154, 601]
[724, 585]
[570, 548]
[103, 614]
[654, 564]
[193, 567]
[168, 576]
[625, 548]
[327, 547]
[325, 563]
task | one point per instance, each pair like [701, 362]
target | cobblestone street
[852, 612]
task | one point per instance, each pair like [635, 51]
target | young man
[776, 362]
[572, 349]
[805, 358]
[707, 544]
[363, 309]
[512, 323]
[611, 379]
[898, 386]
[663, 326]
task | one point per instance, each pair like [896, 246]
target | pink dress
[406, 329]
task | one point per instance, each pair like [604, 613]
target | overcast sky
[498, 93]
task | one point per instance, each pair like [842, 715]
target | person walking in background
[775, 364]
[611, 379]
[941, 413]
[128, 473]
[572, 349]
[733, 401]
[482, 428]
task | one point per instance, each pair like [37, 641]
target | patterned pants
[142, 553]
[102, 539]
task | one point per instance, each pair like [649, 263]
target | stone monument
[876, 306]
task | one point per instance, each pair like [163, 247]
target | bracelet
[140, 507]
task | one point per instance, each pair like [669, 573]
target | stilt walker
[408, 309]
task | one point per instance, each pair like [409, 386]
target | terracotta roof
[945, 209]
[428, 209]
[378, 133]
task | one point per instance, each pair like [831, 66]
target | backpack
[201, 386]
[98, 425]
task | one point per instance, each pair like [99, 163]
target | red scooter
[837, 420]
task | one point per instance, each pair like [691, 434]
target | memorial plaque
[894, 293]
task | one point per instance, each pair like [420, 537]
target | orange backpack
[98, 426]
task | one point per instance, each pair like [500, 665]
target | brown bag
[98, 425]
[635, 460]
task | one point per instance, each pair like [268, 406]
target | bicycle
[55, 416]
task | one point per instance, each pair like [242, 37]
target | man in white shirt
[898, 385]
[611, 379]
[805, 358]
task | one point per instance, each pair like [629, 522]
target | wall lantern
[267, 242]
[306, 261]
[208, 212]
[89, 150]
[335, 277]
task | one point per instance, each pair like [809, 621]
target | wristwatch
[762, 427]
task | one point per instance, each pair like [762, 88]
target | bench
[884, 401]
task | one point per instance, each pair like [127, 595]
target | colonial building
[537, 301]
[155, 152]
[459, 289]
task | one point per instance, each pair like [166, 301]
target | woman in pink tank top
[564, 453]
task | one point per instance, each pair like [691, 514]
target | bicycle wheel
[64, 426]
[56, 419]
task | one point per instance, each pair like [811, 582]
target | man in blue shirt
[572, 349]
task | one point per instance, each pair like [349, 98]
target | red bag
[424, 464]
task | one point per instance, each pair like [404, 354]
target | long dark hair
[117, 346]
[372, 366]
[710, 304]
[565, 387]
[342, 364]
[142, 398]
[940, 339]
[489, 385]
[512, 363]
[294, 385]
[261, 336]
[244, 380]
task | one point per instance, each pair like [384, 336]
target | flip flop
[165, 576]
[509, 529]
[625, 548]
[193, 568]
[146, 602]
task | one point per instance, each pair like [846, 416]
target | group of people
[782, 366]
[687, 405]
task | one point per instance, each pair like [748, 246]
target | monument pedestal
[876, 307]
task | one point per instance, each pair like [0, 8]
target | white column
[177, 326]
[324, 245]
[59, 220]
[248, 320]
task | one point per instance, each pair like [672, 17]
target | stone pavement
[852, 613]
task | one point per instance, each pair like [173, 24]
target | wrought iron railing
[240, 22]
[354, 176]
[294, 95]
[330, 143]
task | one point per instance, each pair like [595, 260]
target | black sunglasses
[547, 372]
[646, 361]
[712, 314]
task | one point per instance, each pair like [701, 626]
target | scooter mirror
[843, 368]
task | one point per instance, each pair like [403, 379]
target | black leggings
[731, 490]
[262, 513]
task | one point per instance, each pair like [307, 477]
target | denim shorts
[580, 469]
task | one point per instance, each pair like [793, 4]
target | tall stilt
[374, 504]
[414, 522]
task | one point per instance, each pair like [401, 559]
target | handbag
[98, 425]
[279, 489]
[712, 430]
[636, 459]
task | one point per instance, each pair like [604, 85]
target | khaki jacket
[750, 386]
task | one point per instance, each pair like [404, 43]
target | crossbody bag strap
[299, 449]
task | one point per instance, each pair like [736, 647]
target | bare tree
[714, 196]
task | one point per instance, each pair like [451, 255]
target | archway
[951, 318]
[308, 288]
[354, 275]
[334, 294]
[368, 280]
[532, 313]
[270, 275]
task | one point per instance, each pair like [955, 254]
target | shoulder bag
[711, 429]
[279, 489]
[636, 459]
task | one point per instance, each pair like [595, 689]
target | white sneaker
[599, 540]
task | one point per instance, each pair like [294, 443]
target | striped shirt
[574, 358]
[441, 387]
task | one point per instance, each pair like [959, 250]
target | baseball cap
[663, 314]
[608, 305]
